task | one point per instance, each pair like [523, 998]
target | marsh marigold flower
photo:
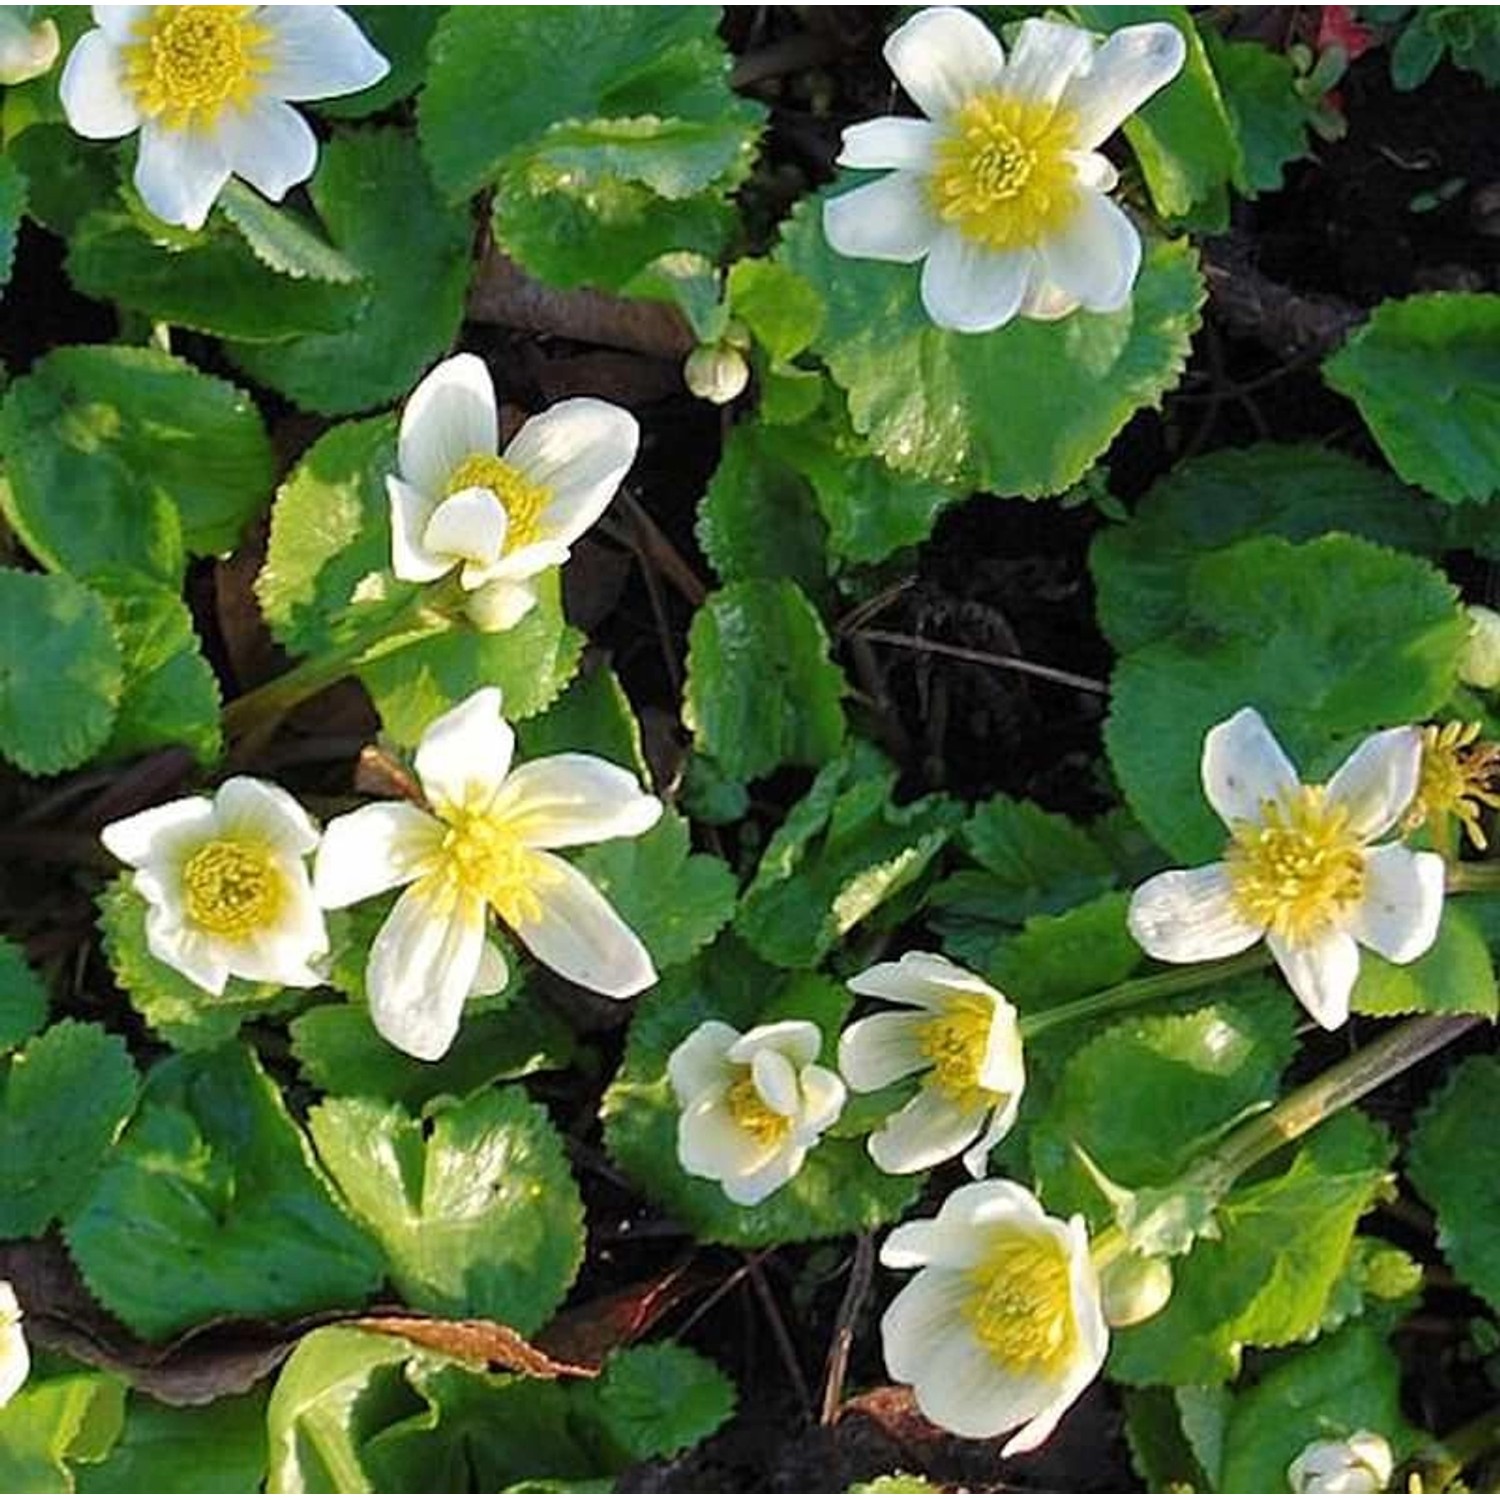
[753, 1106]
[1361, 1464]
[1002, 1326]
[208, 87]
[15, 1358]
[962, 1037]
[1001, 190]
[499, 518]
[225, 881]
[484, 843]
[1301, 869]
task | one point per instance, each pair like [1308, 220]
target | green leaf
[23, 997]
[1423, 374]
[844, 850]
[778, 307]
[1294, 490]
[281, 240]
[63, 1098]
[1267, 1280]
[214, 1450]
[1454, 1159]
[340, 1052]
[1346, 1383]
[211, 1187]
[591, 714]
[473, 1205]
[12, 209]
[761, 691]
[1329, 639]
[60, 672]
[839, 1190]
[50, 1425]
[1268, 116]
[656, 1400]
[1067, 956]
[129, 457]
[1146, 1096]
[400, 33]
[66, 176]
[181, 1013]
[628, 60]
[926, 398]
[214, 284]
[675, 901]
[171, 696]
[1454, 976]
[421, 675]
[1182, 136]
[382, 212]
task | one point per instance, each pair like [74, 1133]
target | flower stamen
[1020, 1306]
[956, 1042]
[524, 501]
[753, 1115]
[231, 888]
[1460, 777]
[188, 63]
[481, 853]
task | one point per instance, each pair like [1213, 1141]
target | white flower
[1361, 1465]
[1003, 1327]
[26, 51]
[484, 845]
[1299, 870]
[753, 1106]
[227, 885]
[963, 1036]
[499, 518]
[1002, 189]
[207, 87]
[15, 1358]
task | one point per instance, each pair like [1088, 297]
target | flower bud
[1359, 1465]
[716, 372]
[1479, 665]
[1135, 1287]
[25, 51]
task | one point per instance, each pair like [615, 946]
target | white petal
[527, 561]
[942, 57]
[698, 1064]
[411, 510]
[750, 1188]
[967, 1392]
[318, 53]
[269, 145]
[890, 219]
[1189, 916]
[579, 935]
[922, 1321]
[1003, 1068]
[568, 799]
[711, 1142]
[15, 1358]
[93, 92]
[1321, 973]
[823, 1099]
[776, 1081]
[1377, 782]
[957, 1237]
[1046, 303]
[160, 833]
[118, 22]
[1398, 915]
[801, 1041]
[1093, 170]
[580, 450]
[1095, 258]
[253, 808]
[179, 173]
[191, 953]
[422, 966]
[892, 141]
[449, 417]
[499, 605]
[469, 524]
[373, 849]
[973, 290]
[1044, 60]
[880, 1049]
[1243, 767]
[465, 755]
[927, 980]
[1132, 65]
[493, 974]
[928, 1130]
[976, 1158]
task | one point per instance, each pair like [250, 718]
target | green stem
[1471, 875]
[1471, 1442]
[1133, 992]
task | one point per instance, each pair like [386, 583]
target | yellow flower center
[1459, 778]
[1001, 176]
[524, 501]
[189, 62]
[231, 888]
[1020, 1306]
[956, 1042]
[1300, 868]
[483, 854]
[753, 1115]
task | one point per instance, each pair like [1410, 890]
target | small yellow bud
[1479, 665]
[1135, 1287]
[716, 372]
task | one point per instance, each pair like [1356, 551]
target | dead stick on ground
[860, 1274]
[988, 659]
[784, 1345]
